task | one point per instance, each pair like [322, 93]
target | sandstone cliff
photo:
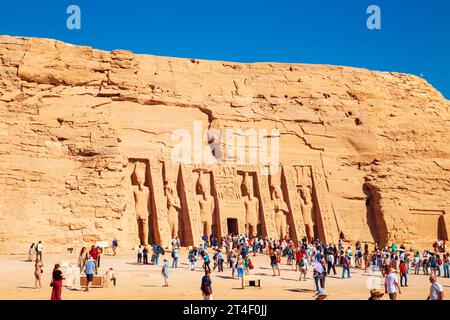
[72, 118]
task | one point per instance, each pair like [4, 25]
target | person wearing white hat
[436, 289]
[321, 294]
[391, 285]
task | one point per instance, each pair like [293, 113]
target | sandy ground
[145, 281]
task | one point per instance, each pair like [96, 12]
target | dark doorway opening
[442, 230]
[232, 225]
[259, 229]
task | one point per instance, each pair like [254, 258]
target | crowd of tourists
[234, 253]
[323, 259]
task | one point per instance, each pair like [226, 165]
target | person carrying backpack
[206, 286]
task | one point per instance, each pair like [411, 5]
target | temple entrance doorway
[232, 225]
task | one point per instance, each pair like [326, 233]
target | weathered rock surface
[74, 120]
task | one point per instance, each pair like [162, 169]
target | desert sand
[145, 282]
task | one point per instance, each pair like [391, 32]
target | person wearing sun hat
[391, 283]
[375, 294]
[321, 294]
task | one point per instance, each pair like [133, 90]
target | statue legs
[278, 226]
[284, 227]
[207, 228]
[143, 231]
[281, 225]
[173, 224]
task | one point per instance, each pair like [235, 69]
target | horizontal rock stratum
[86, 144]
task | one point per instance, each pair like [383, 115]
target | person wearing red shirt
[298, 259]
[93, 253]
[403, 274]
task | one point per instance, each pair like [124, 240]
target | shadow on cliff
[374, 214]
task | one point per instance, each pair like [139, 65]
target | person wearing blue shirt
[155, 254]
[90, 267]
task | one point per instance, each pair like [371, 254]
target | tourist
[274, 262]
[349, 254]
[155, 254]
[145, 255]
[140, 251]
[345, 266]
[248, 265]
[175, 242]
[206, 287]
[416, 262]
[93, 253]
[192, 259]
[318, 270]
[111, 276]
[220, 260]
[206, 261]
[115, 244]
[82, 258]
[175, 255]
[39, 250]
[376, 294]
[435, 246]
[303, 267]
[99, 252]
[298, 258]
[438, 265]
[446, 265]
[367, 261]
[240, 267]
[31, 252]
[38, 274]
[215, 259]
[165, 272]
[425, 265]
[323, 274]
[321, 294]
[391, 285]
[403, 274]
[331, 262]
[56, 284]
[233, 263]
[436, 289]
[90, 268]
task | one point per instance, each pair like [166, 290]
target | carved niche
[252, 207]
[140, 183]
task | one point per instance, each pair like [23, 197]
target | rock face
[89, 142]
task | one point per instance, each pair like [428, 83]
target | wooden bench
[97, 282]
[251, 281]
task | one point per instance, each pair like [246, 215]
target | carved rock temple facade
[87, 150]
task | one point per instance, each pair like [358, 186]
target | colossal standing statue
[141, 200]
[206, 203]
[281, 211]
[251, 207]
[173, 207]
[307, 210]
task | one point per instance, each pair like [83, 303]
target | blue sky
[414, 38]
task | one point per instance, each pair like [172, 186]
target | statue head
[139, 173]
[305, 193]
[276, 192]
[169, 188]
[247, 185]
[202, 184]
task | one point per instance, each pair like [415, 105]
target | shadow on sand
[301, 290]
